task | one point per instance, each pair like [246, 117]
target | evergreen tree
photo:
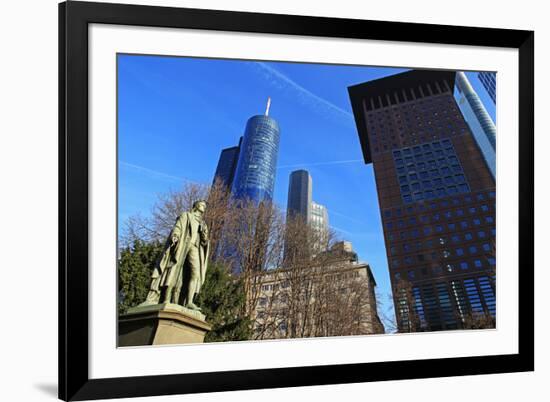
[222, 299]
[135, 267]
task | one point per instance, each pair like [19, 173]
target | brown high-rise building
[437, 200]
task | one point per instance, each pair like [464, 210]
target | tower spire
[268, 105]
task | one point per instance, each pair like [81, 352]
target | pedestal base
[161, 324]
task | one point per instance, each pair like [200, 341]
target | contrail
[156, 173]
[320, 163]
[303, 91]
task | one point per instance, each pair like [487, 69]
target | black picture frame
[74, 18]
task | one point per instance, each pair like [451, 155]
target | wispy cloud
[307, 164]
[155, 173]
[344, 216]
[282, 81]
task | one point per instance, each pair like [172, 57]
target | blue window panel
[435, 177]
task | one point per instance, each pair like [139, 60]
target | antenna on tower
[268, 105]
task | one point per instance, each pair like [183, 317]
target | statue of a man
[183, 264]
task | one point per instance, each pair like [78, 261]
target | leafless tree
[312, 292]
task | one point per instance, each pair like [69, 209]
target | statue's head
[200, 206]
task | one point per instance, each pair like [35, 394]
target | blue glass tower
[489, 81]
[477, 118]
[255, 174]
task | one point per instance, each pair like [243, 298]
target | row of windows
[430, 243]
[435, 218]
[429, 230]
[412, 209]
[426, 219]
[407, 95]
[439, 256]
[446, 304]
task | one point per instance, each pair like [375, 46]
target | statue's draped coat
[169, 270]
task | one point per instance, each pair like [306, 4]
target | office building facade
[319, 223]
[256, 167]
[335, 299]
[227, 164]
[436, 196]
[489, 81]
[480, 123]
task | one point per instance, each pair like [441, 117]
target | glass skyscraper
[481, 125]
[256, 168]
[300, 204]
[227, 164]
[489, 81]
[299, 194]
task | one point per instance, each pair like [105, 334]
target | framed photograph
[258, 200]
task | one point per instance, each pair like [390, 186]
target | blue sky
[176, 114]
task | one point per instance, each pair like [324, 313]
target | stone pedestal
[161, 324]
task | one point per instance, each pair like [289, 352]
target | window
[455, 238]
[427, 231]
[459, 251]
[491, 260]
[481, 234]
[468, 236]
[472, 210]
[387, 213]
[486, 247]
[464, 224]
[459, 212]
[484, 208]
[452, 226]
[463, 265]
[477, 222]
[472, 249]
[389, 225]
[477, 264]
[489, 219]
[438, 228]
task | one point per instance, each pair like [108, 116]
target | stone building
[333, 295]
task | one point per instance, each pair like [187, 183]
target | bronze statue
[183, 264]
